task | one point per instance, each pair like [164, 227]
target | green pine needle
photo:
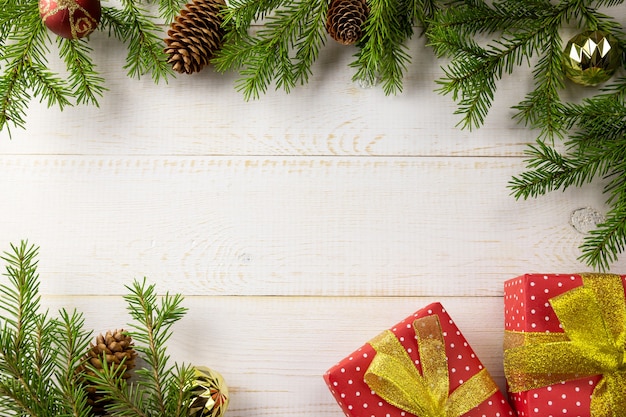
[38, 354]
[25, 53]
[162, 389]
[42, 357]
[281, 53]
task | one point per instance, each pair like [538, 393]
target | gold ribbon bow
[394, 377]
[593, 318]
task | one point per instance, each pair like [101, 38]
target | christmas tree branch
[84, 80]
[45, 363]
[162, 389]
[125, 400]
[27, 379]
[267, 56]
[73, 343]
[383, 54]
[25, 67]
[24, 50]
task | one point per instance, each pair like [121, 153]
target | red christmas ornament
[71, 19]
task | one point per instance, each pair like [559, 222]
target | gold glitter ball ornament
[209, 393]
[591, 57]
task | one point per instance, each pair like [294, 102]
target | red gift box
[347, 379]
[529, 313]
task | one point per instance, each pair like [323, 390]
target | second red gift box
[565, 344]
[422, 367]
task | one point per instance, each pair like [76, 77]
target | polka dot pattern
[345, 379]
[527, 309]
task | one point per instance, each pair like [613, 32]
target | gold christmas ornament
[345, 20]
[209, 393]
[591, 57]
[195, 35]
[117, 347]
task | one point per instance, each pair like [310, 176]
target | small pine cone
[345, 20]
[116, 347]
[195, 35]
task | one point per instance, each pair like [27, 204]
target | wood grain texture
[204, 115]
[286, 226]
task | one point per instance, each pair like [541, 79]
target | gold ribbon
[394, 377]
[593, 317]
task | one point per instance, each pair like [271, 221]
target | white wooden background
[296, 226]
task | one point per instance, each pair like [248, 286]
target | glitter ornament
[71, 19]
[591, 57]
[209, 393]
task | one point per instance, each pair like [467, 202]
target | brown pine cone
[345, 20]
[195, 35]
[117, 348]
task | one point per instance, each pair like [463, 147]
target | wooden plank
[204, 115]
[286, 226]
[273, 351]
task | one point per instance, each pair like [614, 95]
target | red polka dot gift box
[421, 367]
[565, 345]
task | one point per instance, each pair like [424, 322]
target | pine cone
[116, 346]
[195, 35]
[345, 20]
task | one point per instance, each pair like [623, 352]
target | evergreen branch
[543, 108]
[43, 365]
[168, 9]
[73, 343]
[310, 39]
[240, 14]
[472, 75]
[145, 49]
[84, 81]
[126, 400]
[550, 171]
[472, 18]
[383, 54]
[153, 330]
[113, 21]
[20, 301]
[267, 56]
[47, 85]
[26, 66]
[22, 363]
[603, 244]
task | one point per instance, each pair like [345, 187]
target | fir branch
[20, 298]
[42, 359]
[528, 28]
[595, 149]
[309, 41]
[383, 55]
[178, 390]
[604, 244]
[267, 56]
[73, 342]
[152, 330]
[145, 48]
[26, 359]
[472, 75]
[240, 14]
[548, 170]
[169, 9]
[162, 389]
[543, 108]
[84, 80]
[126, 400]
[23, 52]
